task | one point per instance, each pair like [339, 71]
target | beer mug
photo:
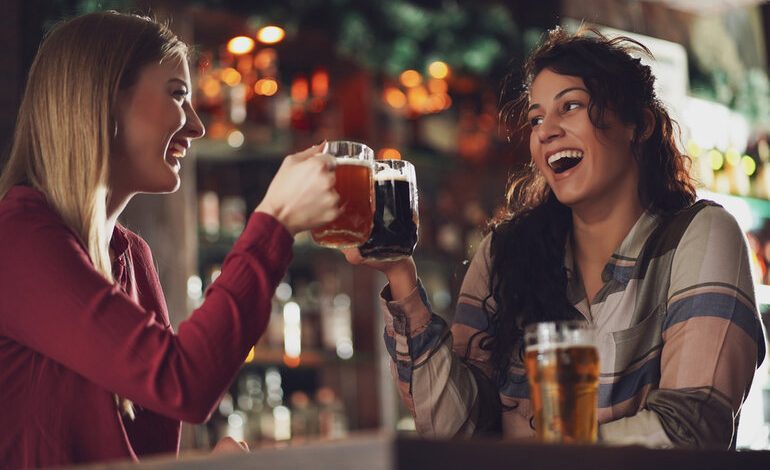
[354, 184]
[563, 371]
[394, 233]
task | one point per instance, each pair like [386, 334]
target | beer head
[348, 149]
[549, 335]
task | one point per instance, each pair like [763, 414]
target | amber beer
[354, 184]
[563, 371]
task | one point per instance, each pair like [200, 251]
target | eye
[570, 105]
[535, 121]
[180, 94]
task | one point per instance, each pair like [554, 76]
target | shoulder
[26, 218]
[477, 276]
[710, 220]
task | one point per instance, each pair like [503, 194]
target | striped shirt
[678, 335]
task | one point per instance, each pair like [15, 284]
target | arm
[55, 303]
[712, 342]
[448, 393]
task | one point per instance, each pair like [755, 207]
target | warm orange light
[271, 34]
[438, 69]
[418, 98]
[291, 362]
[244, 64]
[265, 58]
[388, 154]
[217, 130]
[211, 87]
[436, 85]
[299, 89]
[446, 101]
[319, 83]
[231, 76]
[266, 87]
[395, 97]
[240, 45]
[411, 78]
[250, 357]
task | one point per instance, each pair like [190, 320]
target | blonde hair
[61, 144]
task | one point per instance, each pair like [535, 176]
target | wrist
[402, 278]
[266, 208]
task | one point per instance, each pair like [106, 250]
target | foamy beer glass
[563, 371]
[394, 234]
[354, 184]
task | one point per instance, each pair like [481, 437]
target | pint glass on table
[394, 234]
[563, 371]
[353, 183]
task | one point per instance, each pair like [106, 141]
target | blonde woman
[89, 365]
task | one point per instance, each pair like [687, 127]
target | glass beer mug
[563, 371]
[396, 220]
[354, 184]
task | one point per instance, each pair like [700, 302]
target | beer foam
[389, 174]
[553, 346]
[353, 161]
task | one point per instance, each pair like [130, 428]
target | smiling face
[155, 126]
[583, 165]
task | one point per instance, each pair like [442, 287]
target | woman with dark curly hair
[601, 226]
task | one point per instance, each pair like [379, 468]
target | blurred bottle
[251, 400]
[304, 416]
[233, 216]
[332, 421]
[276, 418]
[208, 215]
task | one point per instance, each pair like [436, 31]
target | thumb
[309, 152]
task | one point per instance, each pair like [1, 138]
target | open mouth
[564, 160]
[176, 150]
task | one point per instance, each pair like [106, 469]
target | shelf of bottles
[258, 108]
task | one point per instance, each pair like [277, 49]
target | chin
[163, 187]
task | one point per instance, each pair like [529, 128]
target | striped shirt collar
[622, 262]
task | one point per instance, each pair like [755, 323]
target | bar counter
[393, 452]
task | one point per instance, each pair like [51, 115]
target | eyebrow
[559, 95]
[179, 80]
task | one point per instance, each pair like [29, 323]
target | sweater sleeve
[54, 302]
[442, 373]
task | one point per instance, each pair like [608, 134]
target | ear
[649, 125]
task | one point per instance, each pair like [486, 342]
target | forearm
[438, 387]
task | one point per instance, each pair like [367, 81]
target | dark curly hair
[528, 281]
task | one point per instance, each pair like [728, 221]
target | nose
[549, 129]
[193, 127]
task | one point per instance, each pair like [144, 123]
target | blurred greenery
[477, 37]
[474, 37]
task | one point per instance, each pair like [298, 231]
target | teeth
[176, 150]
[564, 154]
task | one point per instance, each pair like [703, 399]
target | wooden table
[389, 452]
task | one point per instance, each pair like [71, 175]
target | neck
[598, 231]
[116, 203]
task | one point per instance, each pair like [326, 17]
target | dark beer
[394, 233]
[564, 383]
[354, 186]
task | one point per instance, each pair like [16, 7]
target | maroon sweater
[70, 340]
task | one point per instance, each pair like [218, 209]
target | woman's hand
[228, 445]
[401, 274]
[301, 195]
